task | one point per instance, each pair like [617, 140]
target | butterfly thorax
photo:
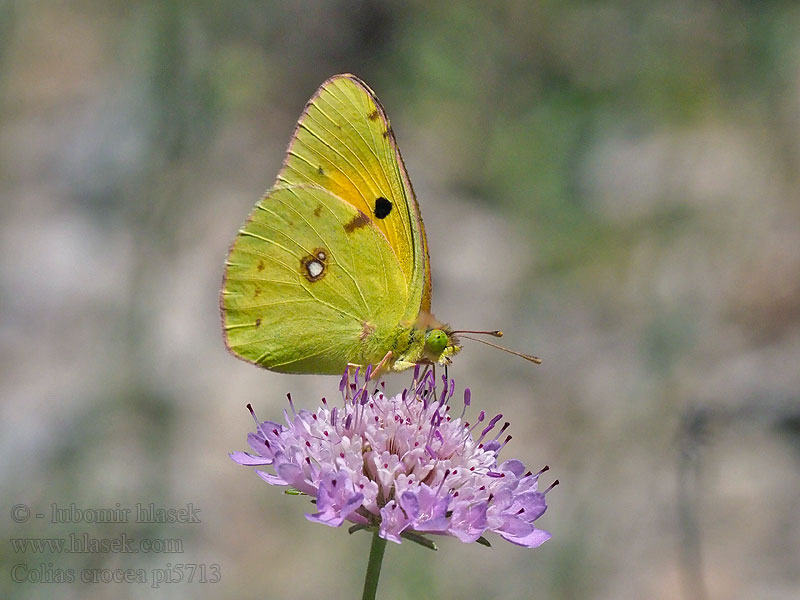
[425, 341]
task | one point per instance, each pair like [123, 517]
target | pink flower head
[402, 464]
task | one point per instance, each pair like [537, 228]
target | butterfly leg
[381, 367]
[424, 373]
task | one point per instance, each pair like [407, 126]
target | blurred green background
[614, 184]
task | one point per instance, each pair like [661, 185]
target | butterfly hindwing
[311, 284]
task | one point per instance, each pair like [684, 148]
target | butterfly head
[441, 345]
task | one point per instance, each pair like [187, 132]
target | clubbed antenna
[528, 357]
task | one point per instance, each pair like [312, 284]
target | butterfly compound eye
[436, 341]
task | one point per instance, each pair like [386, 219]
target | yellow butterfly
[331, 268]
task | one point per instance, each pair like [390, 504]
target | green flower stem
[374, 567]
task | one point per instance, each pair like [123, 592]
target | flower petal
[393, 522]
[336, 499]
[533, 540]
[249, 460]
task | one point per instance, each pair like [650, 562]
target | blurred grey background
[613, 184]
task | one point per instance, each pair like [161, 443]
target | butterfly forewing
[343, 143]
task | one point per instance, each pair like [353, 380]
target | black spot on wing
[382, 207]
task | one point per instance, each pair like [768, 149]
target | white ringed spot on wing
[314, 266]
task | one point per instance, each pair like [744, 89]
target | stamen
[443, 396]
[446, 474]
[502, 430]
[503, 445]
[467, 399]
[490, 426]
[552, 485]
[258, 424]
[481, 417]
